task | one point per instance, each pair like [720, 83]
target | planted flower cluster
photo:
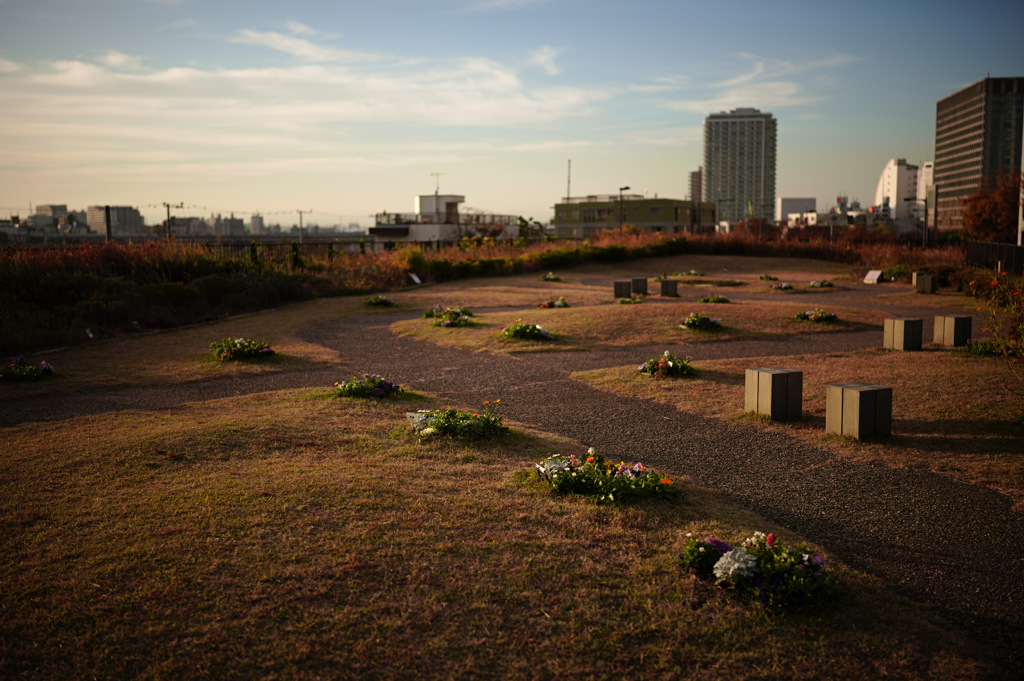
[782, 577]
[605, 482]
[377, 300]
[517, 330]
[450, 316]
[20, 370]
[824, 283]
[632, 300]
[768, 277]
[783, 286]
[816, 316]
[561, 302]
[713, 298]
[450, 422]
[700, 321]
[667, 366]
[240, 348]
[551, 276]
[370, 385]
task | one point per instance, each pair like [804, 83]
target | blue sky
[348, 108]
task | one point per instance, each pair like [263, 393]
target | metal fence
[1002, 257]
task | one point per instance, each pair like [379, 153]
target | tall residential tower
[739, 164]
[978, 133]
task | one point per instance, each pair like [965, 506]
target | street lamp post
[621, 189]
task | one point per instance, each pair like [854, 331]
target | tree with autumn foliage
[990, 214]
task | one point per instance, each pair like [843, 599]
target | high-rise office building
[978, 133]
[739, 164]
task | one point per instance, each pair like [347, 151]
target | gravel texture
[955, 546]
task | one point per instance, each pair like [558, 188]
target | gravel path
[956, 546]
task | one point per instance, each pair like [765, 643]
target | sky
[344, 109]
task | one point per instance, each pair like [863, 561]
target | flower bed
[20, 370]
[605, 482]
[824, 283]
[713, 298]
[782, 577]
[782, 287]
[667, 366]
[768, 277]
[517, 330]
[240, 348]
[450, 422]
[450, 316]
[816, 316]
[561, 302]
[698, 321]
[377, 300]
[628, 301]
[370, 385]
[551, 276]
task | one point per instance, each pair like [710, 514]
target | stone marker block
[775, 392]
[669, 287]
[873, 277]
[640, 285]
[903, 333]
[623, 289]
[952, 330]
[858, 410]
[926, 283]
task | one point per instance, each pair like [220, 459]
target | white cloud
[299, 47]
[502, 5]
[8, 66]
[120, 60]
[544, 57]
[299, 28]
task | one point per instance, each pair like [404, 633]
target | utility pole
[437, 189]
[300, 222]
[169, 206]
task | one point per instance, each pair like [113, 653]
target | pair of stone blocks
[858, 410]
[926, 283]
[774, 392]
[626, 288]
[903, 333]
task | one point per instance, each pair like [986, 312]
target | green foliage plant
[378, 300]
[20, 370]
[1003, 301]
[713, 298]
[667, 366]
[561, 302]
[822, 283]
[449, 422]
[784, 578]
[698, 321]
[240, 348]
[768, 277]
[551, 276]
[818, 315]
[370, 385]
[632, 300]
[603, 481]
[520, 331]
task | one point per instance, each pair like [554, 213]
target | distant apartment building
[584, 216]
[436, 219]
[738, 174]
[256, 224]
[696, 190]
[784, 207]
[124, 220]
[978, 133]
[901, 194]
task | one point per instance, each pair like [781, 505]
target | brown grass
[323, 539]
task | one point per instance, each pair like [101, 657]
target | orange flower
[666, 481]
[476, 416]
[970, 283]
[487, 401]
[590, 459]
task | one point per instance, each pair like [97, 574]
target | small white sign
[874, 276]
[415, 279]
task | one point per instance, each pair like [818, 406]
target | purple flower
[719, 545]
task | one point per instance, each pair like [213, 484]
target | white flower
[735, 565]
[429, 430]
[590, 452]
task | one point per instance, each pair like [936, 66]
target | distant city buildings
[123, 220]
[738, 174]
[584, 216]
[785, 207]
[978, 133]
[696, 190]
[256, 224]
[437, 220]
[901, 194]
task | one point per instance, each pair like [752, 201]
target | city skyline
[350, 110]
